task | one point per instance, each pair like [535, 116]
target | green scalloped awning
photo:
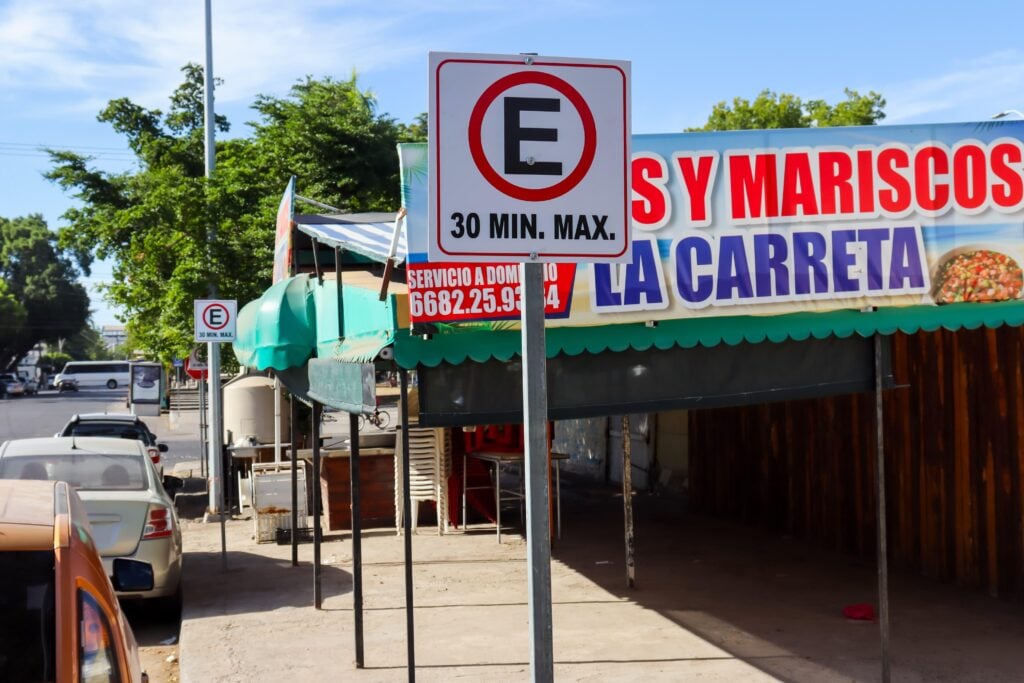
[458, 344]
[297, 319]
[278, 329]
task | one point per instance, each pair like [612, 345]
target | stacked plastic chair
[430, 456]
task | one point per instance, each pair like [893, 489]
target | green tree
[329, 134]
[88, 344]
[12, 313]
[154, 222]
[773, 110]
[42, 279]
[53, 362]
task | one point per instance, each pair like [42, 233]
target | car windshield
[28, 629]
[93, 471]
[115, 429]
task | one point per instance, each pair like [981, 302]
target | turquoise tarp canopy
[297, 319]
[278, 330]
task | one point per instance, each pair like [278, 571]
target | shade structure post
[357, 532]
[340, 292]
[317, 592]
[277, 419]
[294, 438]
[410, 639]
[883, 551]
[627, 503]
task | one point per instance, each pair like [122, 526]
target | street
[23, 417]
[46, 413]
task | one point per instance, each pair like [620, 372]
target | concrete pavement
[714, 600]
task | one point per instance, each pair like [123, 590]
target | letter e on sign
[215, 320]
[520, 144]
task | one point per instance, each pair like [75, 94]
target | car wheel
[111, 384]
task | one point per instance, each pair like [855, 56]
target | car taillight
[154, 455]
[159, 523]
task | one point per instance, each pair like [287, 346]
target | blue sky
[61, 61]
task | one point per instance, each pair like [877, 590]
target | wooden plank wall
[953, 457]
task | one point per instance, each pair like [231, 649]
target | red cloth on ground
[859, 612]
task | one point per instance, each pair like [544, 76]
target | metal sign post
[215, 323]
[535, 417]
[544, 179]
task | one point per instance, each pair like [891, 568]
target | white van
[96, 373]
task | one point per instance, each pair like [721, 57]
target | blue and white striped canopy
[368, 234]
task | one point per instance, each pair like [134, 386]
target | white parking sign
[529, 158]
[215, 320]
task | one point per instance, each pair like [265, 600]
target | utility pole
[216, 470]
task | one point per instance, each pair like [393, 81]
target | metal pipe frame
[357, 532]
[883, 551]
[294, 437]
[410, 636]
[317, 587]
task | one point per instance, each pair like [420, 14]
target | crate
[284, 536]
[268, 524]
[271, 488]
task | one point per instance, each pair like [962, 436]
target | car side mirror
[132, 576]
[162, 447]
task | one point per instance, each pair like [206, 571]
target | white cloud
[94, 50]
[975, 90]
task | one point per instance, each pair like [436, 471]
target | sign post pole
[543, 180]
[535, 415]
[215, 323]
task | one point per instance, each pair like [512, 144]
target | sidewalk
[256, 621]
[715, 601]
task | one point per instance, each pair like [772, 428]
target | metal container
[249, 411]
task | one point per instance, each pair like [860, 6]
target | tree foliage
[40, 298]
[157, 222]
[773, 110]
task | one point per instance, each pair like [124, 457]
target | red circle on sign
[476, 147]
[227, 316]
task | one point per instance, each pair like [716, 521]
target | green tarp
[455, 345]
[298, 319]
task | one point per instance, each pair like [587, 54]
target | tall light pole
[216, 470]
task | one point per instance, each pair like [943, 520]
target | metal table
[501, 495]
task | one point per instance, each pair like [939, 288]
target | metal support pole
[317, 593]
[202, 427]
[340, 293]
[883, 552]
[277, 420]
[209, 120]
[293, 436]
[535, 417]
[410, 635]
[216, 425]
[357, 534]
[627, 502]
[217, 506]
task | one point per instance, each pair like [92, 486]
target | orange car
[59, 618]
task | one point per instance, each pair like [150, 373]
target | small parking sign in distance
[215, 320]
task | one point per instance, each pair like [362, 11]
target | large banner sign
[772, 222]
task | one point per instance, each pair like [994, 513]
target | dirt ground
[713, 601]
